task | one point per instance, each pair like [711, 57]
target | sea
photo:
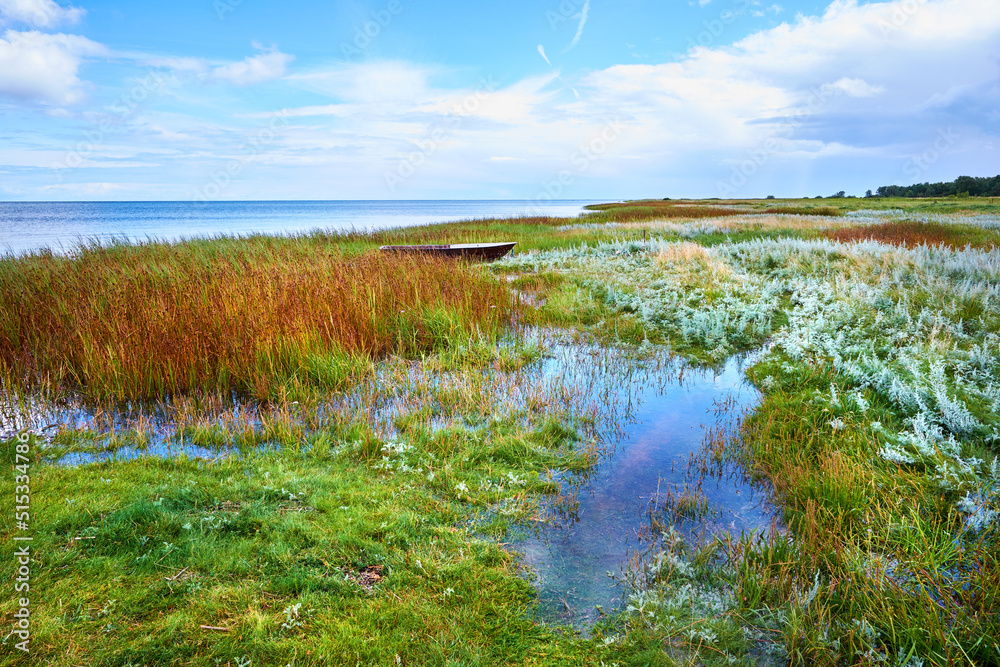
[61, 226]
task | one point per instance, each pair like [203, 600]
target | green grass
[134, 557]
[913, 205]
[359, 514]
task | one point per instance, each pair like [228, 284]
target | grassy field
[141, 322]
[295, 451]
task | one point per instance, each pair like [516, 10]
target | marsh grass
[139, 555]
[913, 233]
[831, 211]
[893, 569]
[254, 315]
[758, 224]
[277, 543]
[652, 209]
[542, 232]
[876, 432]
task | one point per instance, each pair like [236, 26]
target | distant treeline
[961, 186]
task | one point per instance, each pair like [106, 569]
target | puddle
[651, 460]
[647, 413]
[572, 380]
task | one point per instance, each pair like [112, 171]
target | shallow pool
[653, 456]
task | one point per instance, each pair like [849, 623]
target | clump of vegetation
[248, 315]
[912, 233]
[806, 210]
[336, 549]
[655, 209]
[962, 186]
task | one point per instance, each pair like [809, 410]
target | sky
[418, 99]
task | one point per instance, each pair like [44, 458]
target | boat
[484, 252]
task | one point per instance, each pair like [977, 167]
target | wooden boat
[483, 252]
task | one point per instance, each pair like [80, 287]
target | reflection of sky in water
[669, 421]
[157, 449]
[651, 416]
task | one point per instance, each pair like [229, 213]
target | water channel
[651, 458]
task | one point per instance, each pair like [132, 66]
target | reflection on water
[648, 414]
[651, 460]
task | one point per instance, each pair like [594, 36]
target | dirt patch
[367, 577]
[231, 506]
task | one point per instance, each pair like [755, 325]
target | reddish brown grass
[910, 233]
[640, 211]
[143, 321]
[804, 210]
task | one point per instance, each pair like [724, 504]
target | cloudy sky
[423, 99]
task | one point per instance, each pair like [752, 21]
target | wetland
[725, 432]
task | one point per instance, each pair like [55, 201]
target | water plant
[246, 315]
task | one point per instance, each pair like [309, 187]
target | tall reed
[140, 321]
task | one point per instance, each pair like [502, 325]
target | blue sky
[415, 99]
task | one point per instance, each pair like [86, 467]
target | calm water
[26, 226]
[668, 413]
[650, 415]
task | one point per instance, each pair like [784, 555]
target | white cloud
[861, 85]
[267, 65]
[579, 29]
[541, 51]
[852, 87]
[402, 93]
[184, 65]
[373, 82]
[815, 68]
[38, 13]
[35, 66]
[86, 189]
[342, 110]
[832, 87]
